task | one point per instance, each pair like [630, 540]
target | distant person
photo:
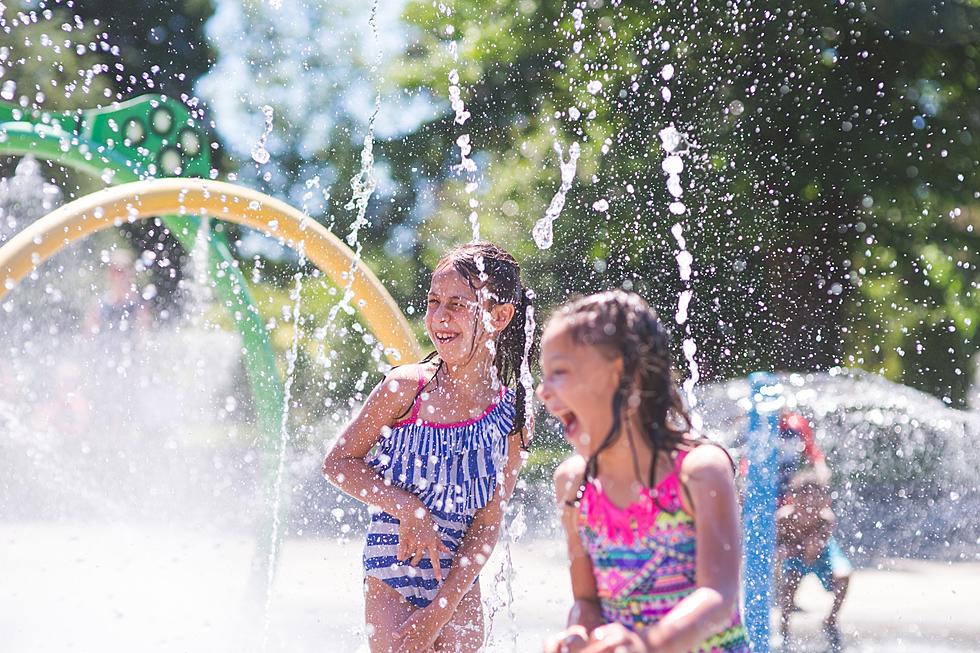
[805, 528]
[798, 450]
[436, 450]
[649, 510]
[121, 307]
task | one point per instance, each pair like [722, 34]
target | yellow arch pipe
[199, 197]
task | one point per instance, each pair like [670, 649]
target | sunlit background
[793, 185]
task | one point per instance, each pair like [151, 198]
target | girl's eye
[432, 302]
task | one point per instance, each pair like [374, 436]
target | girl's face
[577, 386]
[455, 321]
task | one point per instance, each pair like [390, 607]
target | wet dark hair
[621, 324]
[494, 274]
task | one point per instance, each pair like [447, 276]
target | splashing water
[527, 379]
[362, 185]
[688, 346]
[543, 232]
[259, 154]
[673, 141]
[502, 595]
[20, 201]
[904, 464]
[676, 145]
[275, 537]
[198, 287]
[462, 115]
[466, 166]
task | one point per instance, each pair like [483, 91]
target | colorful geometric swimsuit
[453, 470]
[643, 558]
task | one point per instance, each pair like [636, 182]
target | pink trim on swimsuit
[415, 419]
[644, 558]
[639, 517]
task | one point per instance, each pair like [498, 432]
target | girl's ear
[501, 315]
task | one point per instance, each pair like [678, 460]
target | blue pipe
[759, 506]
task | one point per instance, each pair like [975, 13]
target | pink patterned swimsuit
[643, 558]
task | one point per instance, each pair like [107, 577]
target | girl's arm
[482, 534]
[585, 610]
[707, 475]
[585, 615]
[344, 465]
[424, 625]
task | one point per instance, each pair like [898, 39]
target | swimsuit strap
[678, 460]
[681, 454]
[418, 397]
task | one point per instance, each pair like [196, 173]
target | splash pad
[864, 438]
[224, 201]
[190, 199]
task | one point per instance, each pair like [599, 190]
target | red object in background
[794, 425]
[797, 424]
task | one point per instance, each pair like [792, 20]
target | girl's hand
[418, 538]
[615, 638]
[572, 640]
[420, 632]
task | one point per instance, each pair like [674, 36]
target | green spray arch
[144, 138]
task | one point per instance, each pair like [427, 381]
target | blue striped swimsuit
[453, 469]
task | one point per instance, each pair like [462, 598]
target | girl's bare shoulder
[707, 462]
[568, 478]
[396, 390]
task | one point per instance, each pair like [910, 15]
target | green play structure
[145, 138]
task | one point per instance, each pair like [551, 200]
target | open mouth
[569, 421]
[443, 337]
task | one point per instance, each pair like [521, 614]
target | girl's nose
[542, 392]
[441, 314]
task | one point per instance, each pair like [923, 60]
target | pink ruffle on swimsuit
[643, 558]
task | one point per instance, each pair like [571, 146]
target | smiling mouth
[443, 337]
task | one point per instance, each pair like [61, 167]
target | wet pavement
[148, 588]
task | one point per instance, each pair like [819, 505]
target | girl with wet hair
[649, 510]
[436, 450]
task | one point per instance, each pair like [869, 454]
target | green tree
[829, 194]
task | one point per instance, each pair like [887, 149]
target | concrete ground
[116, 588]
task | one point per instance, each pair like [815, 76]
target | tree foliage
[830, 196]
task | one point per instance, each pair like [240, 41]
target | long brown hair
[621, 324]
[494, 274]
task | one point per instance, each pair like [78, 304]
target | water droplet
[673, 165]
[260, 155]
